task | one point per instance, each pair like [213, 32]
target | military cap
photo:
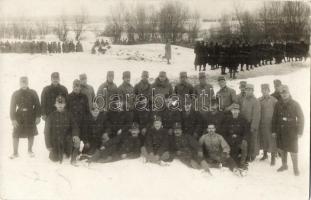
[76, 82]
[242, 84]
[249, 86]
[157, 118]
[55, 75]
[177, 125]
[235, 106]
[60, 99]
[284, 89]
[162, 74]
[265, 86]
[183, 74]
[277, 82]
[110, 74]
[23, 79]
[202, 75]
[126, 74]
[82, 76]
[221, 78]
[145, 74]
[135, 125]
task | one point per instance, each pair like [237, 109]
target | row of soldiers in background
[40, 47]
[232, 130]
[100, 47]
[235, 54]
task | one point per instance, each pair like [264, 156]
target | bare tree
[43, 28]
[62, 28]
[153, 23]
[80, 22]
[115, 24]
[194, 25]
[140, 21]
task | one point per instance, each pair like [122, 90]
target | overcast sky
[38, 8]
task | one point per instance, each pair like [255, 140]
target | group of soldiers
[201, 128]
[41, 47]
[100, 46]
[234, 54]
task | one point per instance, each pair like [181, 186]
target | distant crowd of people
[100, 46]
[42, 47]
[234, 54]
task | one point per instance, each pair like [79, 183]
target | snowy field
[38, 178]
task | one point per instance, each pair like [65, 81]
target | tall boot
[295, 163]
[284, 162]
[273, 156]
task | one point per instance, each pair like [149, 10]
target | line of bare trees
[28, 30]
[172, 21]
[273, 21]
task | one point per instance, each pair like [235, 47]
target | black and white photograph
[155, 99]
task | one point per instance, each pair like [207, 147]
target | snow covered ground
[38, 178]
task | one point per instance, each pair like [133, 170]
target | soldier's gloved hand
[76, 141]
[38, 120]
[123, 156]
[274, 135]
[44, 117]
[143, 131]
[15, 123]
[119, 132]
[200, 154]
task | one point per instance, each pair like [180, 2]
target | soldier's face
[211, 129]
[55, 81]
[105, 137]
[183, 79]
[214, 107]
[83, 81]
[23, 84]
[76, 88]
[60, 106]
[285, 95]
[202, 80]
[178, 132]
[110, 79]
[265, 92]
[157, 125]
[162, 78]
[249, 92]
[127, 79]
[222, 83]
[235, 113]
[95, 112]
[135, 132]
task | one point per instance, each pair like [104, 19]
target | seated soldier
[217, 150]
[61, 133]
[131, 143]
[235, 132]
[187, 149]
[94, 125]
[156, 147]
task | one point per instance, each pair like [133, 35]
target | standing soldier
[142, 91]
[78, 105]
[168, 52]
[287, 126]
[61, 133]
[241, 96]
[87, 90]
[126, 91]
[197, 55]
[250, 110]
[50, 93]
[184, 90]
[25, 115]
[106, 91]
[204, 92]
[267, 142]
[226, 96]
[161, 88]
[277, 86]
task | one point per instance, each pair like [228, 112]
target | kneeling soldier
[217, 150]
[61, 133]
[188, 150]
[131, 143]
[156, 148]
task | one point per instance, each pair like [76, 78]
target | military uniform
[226, 97]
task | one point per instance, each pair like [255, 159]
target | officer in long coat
[25, 115]
[168, 52]
[49, 94]
[287, 126]
[250, 110]
[226, 96]
[267, 142]
[277, 86]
